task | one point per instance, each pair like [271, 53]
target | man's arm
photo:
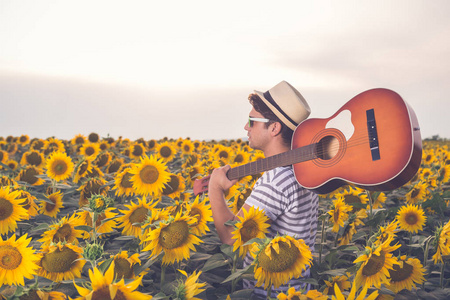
[218, 184]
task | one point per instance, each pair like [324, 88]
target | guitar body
[373, 142]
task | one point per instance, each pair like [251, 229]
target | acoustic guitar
[372, 142]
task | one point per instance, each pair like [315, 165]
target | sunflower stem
[233, 283]
[442, 274]
[321, 241]
[269, 292]
[163, 275]
[370, 210]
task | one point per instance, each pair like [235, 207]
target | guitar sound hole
[327, 147]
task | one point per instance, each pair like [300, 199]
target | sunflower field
[103, 218]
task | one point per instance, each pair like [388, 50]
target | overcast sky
[156, 69]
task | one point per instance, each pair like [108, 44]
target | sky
[154, 69]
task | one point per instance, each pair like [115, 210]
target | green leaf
[336, 272]
[239, 273]
[84, 228]
[215, 261]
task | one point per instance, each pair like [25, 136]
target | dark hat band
[271, 101]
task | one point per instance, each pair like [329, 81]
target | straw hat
[286, 103]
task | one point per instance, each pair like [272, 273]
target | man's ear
[276, 128]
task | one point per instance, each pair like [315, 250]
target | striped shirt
[292, 210]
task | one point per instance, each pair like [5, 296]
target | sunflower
[37, 144]
[149, 176]
[17, 260]
[8, 182]
[103, 159]
[105, 222]
[240, 157]
[166, 151]
[417, 193]
[192, 173]
[28, 175]
[3, 156]
[52, 145]
[240, 196]
[189, 288]
[33, 157]
[428, 157]
[103, 287]
[151, 144]
[174, 238]
[352, 295]
[444, 174]
[63, 231]
[406, 274]
[123, 184]
[11, 210]
[34, 293]
[355, 197]
[385, 232]
[411, 218]
[61, 261]
[292, 294]
[82, 169]
[134, 215]
[78, 140]
[339, 213]
[378, 199]
[52, 205]
[224, 154]
[375, 265]
[59, 166]
[137, 150]
[12, 164]
[279, 260]
[201, 211]
[187, 147]
[90, 150]
[93, 137]
[114, 165]
[342, 282]
[92, 186]
[442, 243]
[174, 187]
[350, 228]
[24, 140]
[29, 204]
[123, 265]
[252, 225]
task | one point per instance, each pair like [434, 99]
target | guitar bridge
[373, 134]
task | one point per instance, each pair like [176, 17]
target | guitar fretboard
[280, 160]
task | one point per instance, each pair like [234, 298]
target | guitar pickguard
[343, 122]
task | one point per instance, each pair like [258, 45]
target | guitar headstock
[201, 185]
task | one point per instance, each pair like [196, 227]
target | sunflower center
[172, 185]
[411, 218]
[138, 215]
[102, 160]
[10, 257]
[59, 167]
[49, 206]
[336, 215]
[63, 233]
[197, 214]
[126, 182]
[122, 268]
[34, 159]
[165, 151]
[149, 174]
[114, 166]
[103, 294]
[280, 261]
[239, 158]
[174, 235]
[89, 151]
[415, 193]
[374, 265]
[29, 176]
[249, 230]
[138, 151]
[223, 154]
[79, 140]
[59, 261]
[6, 209]
[351, 199]
[399, 274]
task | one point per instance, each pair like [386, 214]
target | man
[292, 210]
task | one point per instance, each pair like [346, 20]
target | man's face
[257, 134]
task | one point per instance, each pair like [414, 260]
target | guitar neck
[280, 160]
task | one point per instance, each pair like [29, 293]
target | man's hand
[219, 180]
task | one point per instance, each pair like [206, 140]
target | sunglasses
[251, 120]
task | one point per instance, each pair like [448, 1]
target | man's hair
[262, 108]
